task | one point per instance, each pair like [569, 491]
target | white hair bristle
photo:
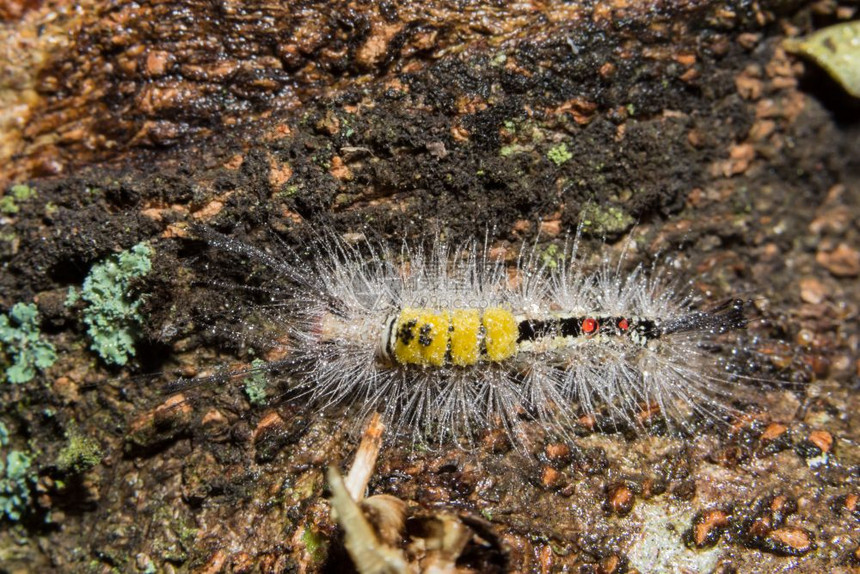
[586, 342]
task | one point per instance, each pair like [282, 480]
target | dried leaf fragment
[837, 50]
[369, 554]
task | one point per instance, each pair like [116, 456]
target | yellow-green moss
[605, 219]
[80, 454]
[559, 154]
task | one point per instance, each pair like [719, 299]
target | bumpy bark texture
[683, 123]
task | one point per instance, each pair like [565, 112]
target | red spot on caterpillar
[589, 326]
[623, 324]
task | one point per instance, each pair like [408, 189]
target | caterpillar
[447, 342]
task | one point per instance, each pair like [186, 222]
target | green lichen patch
[112, 309]
[255, 383]
[22, 347]
[16, 478]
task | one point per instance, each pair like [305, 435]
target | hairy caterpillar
[446, 342]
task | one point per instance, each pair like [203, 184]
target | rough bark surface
[682, 124]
